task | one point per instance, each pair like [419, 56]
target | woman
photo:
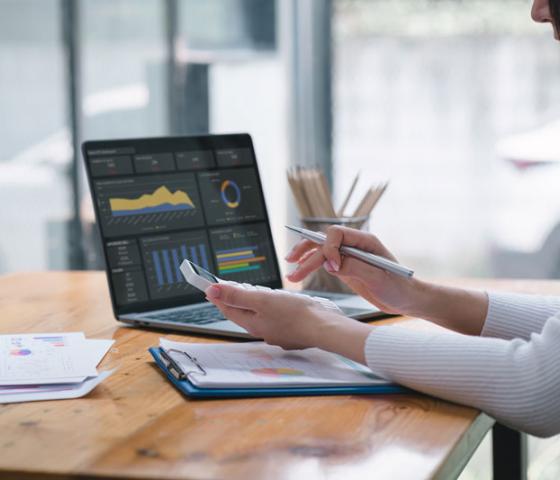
[504, 360]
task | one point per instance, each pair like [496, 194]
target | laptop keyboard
[210, 314]
[199, 316]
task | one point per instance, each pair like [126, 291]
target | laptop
[159, 201]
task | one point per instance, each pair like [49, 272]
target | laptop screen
[159, 201]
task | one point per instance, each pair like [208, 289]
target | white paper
[258, 365]
[95, 349]
[56, 392]
[48, 358]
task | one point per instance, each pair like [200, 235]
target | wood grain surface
[135, 425]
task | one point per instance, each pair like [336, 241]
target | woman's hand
[289, 320]
[389, 292]
[454, 308]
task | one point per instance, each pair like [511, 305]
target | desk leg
[509, 451]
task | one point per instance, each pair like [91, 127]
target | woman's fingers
[244, 318]
[235, 296]
[310, 256]
[331, 248]
[299, 250]
[309, 265]
[338, 236]
[354, 268]
[306, 256]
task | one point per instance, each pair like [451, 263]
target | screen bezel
[173, 144]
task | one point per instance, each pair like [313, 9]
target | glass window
[34, 151]
[437, 97]
[228, 24]
[457, 103]
[123, 68]
[228, 76]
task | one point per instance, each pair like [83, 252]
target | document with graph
[257, 365]
[46, 358]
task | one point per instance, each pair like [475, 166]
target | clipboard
[180, 380]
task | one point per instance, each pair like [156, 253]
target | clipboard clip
[175, 369]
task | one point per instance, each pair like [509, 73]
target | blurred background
[456, 102]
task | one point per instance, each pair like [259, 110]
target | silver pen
[375, 260]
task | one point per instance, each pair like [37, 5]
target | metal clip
[175, 369]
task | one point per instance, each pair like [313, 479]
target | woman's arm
[516, 381]
[457, 309]
[513, 315]
[464, 311]
[454, 308]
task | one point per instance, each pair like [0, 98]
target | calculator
[200, 278]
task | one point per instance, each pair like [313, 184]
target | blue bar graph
[157, 266]
[194, 256]
[177, 263]
[203, 256]
[166, 264]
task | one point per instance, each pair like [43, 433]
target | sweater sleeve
[515, 381]
[517, 316]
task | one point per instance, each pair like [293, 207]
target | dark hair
[555, 10]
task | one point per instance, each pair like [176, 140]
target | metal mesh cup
[322, 280]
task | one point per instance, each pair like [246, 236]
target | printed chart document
[49, 366]
[52, 392]
[43, 358]
[258, 365]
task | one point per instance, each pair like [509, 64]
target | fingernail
[291, 274]
[327, 267]
[334, 265]
[213, 292]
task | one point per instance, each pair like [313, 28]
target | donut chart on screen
[231, 194]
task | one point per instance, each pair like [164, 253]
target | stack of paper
[49, 366]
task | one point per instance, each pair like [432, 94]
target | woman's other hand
[389, 292]
[454, 308]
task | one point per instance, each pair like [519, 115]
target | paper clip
[175, 369]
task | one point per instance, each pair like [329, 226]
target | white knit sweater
[511, 372]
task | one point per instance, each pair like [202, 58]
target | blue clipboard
[190, 390]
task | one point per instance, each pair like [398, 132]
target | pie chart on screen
[230, 193]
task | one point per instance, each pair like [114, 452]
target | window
[425, 92]
[35, 150]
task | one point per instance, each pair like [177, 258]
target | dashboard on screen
[159, 201]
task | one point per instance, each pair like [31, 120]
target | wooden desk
[135, 425]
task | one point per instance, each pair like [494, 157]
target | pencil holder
[322, 280]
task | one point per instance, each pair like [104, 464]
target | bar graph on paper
[163, 256]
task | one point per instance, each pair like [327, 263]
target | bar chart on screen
[243, 254]
[163, 254]
[242, 259]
